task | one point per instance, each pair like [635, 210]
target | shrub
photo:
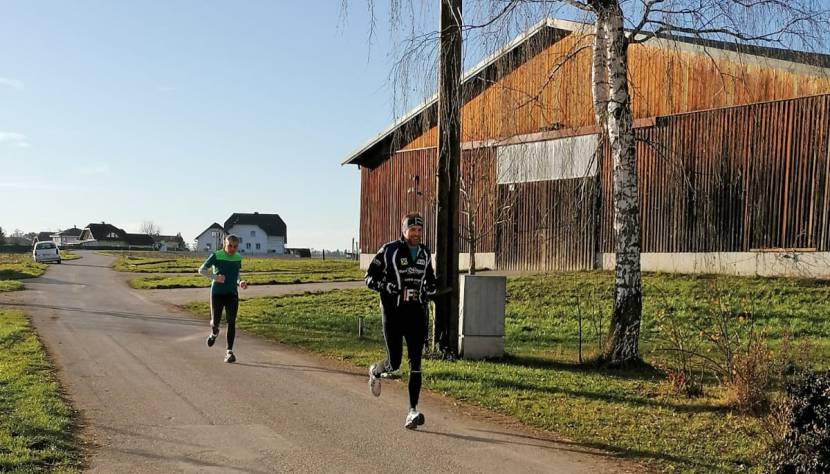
[805, 447]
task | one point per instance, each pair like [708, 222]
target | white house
[68, 236]
[210, 239]
[167, 243]
[258, 233]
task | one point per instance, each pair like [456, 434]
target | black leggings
[230, 303]
[410, 323]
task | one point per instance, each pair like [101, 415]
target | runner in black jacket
[402, 273]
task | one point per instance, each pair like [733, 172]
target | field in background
[540, 382]
[165, 270]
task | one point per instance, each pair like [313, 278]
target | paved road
[154, 398]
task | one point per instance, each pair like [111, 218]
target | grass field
[37, 433]
[633, 413]
[15, 267]
[256, 271]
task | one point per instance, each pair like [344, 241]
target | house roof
[212, 226]
[73, 232]
[102, 231]
[139, 239]
[272, 224]
[169, 238]
[522, 49]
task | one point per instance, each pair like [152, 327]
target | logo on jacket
[404, 261]
[421, 261]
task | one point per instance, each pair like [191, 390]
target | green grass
[540, 382]
[37, 433]
[17, 266]
[67, 255]
[256, 271]
[10, 285]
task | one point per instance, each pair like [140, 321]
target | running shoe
[374, 381]
[414, 419]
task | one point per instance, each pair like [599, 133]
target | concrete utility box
[481, 316]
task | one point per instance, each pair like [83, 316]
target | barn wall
[549, 93]
[733, 180]
[406, 183]
[727, 181]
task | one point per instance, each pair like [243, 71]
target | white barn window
[565, 158]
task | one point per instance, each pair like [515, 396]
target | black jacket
[399, 280]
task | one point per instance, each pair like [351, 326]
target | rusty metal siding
[729, 180]
[664, 81]
[406, 183]
[732, 180]
[549, 226]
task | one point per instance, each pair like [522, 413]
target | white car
[46, 252]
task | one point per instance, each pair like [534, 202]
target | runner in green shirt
[223, 267]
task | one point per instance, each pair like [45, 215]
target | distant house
[43, 236]
[107, 235]
[258, 233]
[68, 236]
[299, 252]
[140, 241]
[210, 239]
[169, 242]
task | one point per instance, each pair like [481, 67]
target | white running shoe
[414, 419]
[374, 381]
[230, 358]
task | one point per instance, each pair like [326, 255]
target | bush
[805, 447]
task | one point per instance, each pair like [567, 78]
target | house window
[257, 246]
[207, 246]
[253, 233]
[240, 240]
[248, 246]
[213, 233]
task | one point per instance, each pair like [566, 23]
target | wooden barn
[733, 155]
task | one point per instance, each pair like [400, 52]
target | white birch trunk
[623, 340]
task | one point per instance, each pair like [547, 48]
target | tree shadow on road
[114, 314]
[299, 368]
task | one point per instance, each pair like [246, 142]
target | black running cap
[411, 221]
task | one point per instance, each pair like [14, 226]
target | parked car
[46, 252]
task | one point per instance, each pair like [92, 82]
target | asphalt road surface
[154, 398]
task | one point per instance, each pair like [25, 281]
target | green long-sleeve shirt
[223, 264]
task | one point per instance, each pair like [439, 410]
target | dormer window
[253, 233]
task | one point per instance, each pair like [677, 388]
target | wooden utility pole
[449, 160]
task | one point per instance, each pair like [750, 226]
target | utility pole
[449, 160]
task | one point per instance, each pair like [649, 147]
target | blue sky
[183, 112]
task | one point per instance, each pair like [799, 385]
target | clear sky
[182, 112]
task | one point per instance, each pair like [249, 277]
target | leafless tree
[150, 228]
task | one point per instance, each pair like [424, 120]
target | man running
[223, 267]
[402, 273]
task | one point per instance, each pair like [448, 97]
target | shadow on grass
[618, 451]
[15, 275]
[608, 397]
[641, 371]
